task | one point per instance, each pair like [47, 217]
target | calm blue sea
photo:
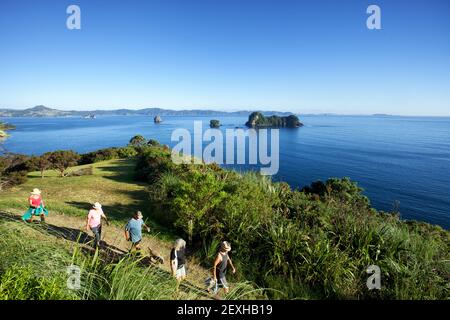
[403, 160]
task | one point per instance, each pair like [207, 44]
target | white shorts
[181, 273]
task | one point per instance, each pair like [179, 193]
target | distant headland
[43, 111]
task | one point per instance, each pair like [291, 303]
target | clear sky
[302, 56]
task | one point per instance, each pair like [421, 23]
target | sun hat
[97, 205]
[36, 191]
[225, 245]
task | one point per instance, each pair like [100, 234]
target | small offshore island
[257, 120]
[214, 124]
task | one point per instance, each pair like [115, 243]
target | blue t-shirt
[134, 227]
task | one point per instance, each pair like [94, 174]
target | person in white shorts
[178, 260]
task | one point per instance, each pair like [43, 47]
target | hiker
[178, 260]
[133, 231]
[37, 207]
[94, 222]
[220, 268]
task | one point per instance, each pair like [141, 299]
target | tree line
[14, 168]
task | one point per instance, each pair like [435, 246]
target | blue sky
[300, 56]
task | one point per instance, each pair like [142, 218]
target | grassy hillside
[111, 184]
[33, 264]
[36, 256]
[314, 243]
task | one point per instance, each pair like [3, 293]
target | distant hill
[38, 111]
[42, 111]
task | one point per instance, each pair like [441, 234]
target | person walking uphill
[133, 231]
[37, 207]
[94, 222]
[220, 268]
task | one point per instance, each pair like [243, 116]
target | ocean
[401, 162]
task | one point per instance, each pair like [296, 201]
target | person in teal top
[133, 231]
[37, 207]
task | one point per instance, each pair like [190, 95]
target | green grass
[112, 184]
[33, 261]
[33, 266]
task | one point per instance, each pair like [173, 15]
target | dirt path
[114, 245]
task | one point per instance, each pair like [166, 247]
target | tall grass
[311, 243]
[34, 266]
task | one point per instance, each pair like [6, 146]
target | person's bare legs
[135, 247]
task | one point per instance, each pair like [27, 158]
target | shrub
[13, 170]
[108, 154]
[99, 155]
[40, 163]
[61, 160]
[153, 142]
[152, 163]
[138, 141]
[127, 152]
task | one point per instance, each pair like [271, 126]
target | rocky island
[257, 120]
[214, 123]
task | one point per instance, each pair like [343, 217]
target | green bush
[99, 155]
[13, 170]
[138, 141]
[61, 160]
[108, 154]
[312, 243]
[152, 163]
[127, 152]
